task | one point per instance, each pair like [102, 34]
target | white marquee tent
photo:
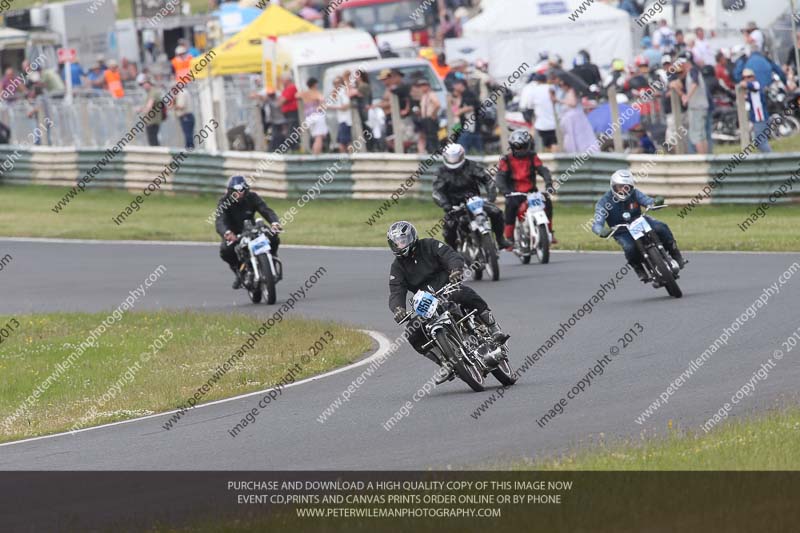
[511, 32]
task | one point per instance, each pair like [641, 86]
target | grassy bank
[25, 212]
[768, 442]
[111, 380]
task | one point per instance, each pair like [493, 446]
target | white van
[309, 55]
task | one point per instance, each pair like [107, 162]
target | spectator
[113, 80]
[393, 81]
[363, 95]
[52, 82]
[309, 12]
[183, 110]
[663, 36]
[190, 48]
[645, 143]
[465, 105]
[675, 77]
[376, 121]
[722, 71]
[429, 106]
[759, 115]
[314, 115]
[697, 102]
[151, 111]
[578, 133]
[458, 70]
[790, 66]
[652, 53]
[482, 78]
[35, 112]
[181, 64]
[127, 70]
[95, 78]
[537, 105]
[586, 70]
[702, 52]
[754, 36]
[344, 114]
[386, 51]
[762, 66]
[288, 105]
[440, 65]
[679, 45]
[10, 82]
[76, 73]
[630, 7]
[149, 43]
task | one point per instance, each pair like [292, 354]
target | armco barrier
[377, 176]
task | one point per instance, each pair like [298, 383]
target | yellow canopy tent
[242, 53]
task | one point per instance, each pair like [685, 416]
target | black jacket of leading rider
[454, 187]
[430, 263]
[232, 214]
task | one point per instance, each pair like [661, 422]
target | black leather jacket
[429, 264]
[232, 214]
[454, 187]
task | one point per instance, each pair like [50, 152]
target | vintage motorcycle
[531, 234]
[475, 240]
[260, 270]
[459, 340]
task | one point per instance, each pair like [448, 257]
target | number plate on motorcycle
[259, 245]
[475, 205]
[639, 227]
[535, 200]
[425, 304]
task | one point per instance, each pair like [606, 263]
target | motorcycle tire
[664, 272]
[526, 259]
[490, 255]
[543, 250]
[267, 283]
[255, 295]
[503, 373]
[467, 372]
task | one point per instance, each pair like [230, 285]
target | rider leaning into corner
[420, 263]
[459, 180]
[517, 173]
[624, 197]
[240, 204]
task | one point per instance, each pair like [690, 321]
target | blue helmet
[237, 184]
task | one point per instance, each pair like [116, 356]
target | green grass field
[25, 212]
[769, 442]
[111, 381]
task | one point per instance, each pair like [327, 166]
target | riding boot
[445, 372]
[237, 283]
[497, 334]
[643, 277]
[676, 255]
[508, 233]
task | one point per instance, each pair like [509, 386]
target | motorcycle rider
[240, 204]
[459, 180]
[517, 173]
[420, 263]
[625, 197]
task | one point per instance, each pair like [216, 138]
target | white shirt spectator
[343, 116]
[663, 38]
[536, 96]
[703, 53]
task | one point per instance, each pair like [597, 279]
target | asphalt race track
[530, 302]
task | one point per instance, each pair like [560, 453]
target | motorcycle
[459, 340]
[661, 268]
[532, 234]
[260, 270]
[475, 240]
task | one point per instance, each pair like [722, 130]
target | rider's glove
[230, 236]
[605, 233]
[658, 200]
[456, 276]
[399, 314]
[277, 226]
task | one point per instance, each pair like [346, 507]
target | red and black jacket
[518, 174]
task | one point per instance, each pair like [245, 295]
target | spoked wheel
[503, 373]
[267, 283]
[490, 253]
[521, 237]
[468, 373]
[543, 248]
[255, 294]
[664, 272]
[787, 127]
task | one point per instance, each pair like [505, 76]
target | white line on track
[383, 349]
[313, 246]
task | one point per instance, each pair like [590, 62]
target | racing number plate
[425, 304]
[639, 227]
[259, 245]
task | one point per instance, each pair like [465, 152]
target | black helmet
[521, 143]
[237, 184]
[402, 237]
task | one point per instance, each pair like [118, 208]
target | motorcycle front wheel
[467, 372]
[664, 271]
[267, 283]
[490, 255]
[543, 246]
[503, 373]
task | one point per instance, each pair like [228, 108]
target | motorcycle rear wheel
[467, 372]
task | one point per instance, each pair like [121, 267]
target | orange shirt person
[182, 64]
[113, 80]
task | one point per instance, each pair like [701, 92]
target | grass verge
[111, 381]
[759, 443]
[25, 212]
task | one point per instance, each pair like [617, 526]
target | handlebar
[444, 291]
[647, 210]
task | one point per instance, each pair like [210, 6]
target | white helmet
[622, 183]
[454, 156]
